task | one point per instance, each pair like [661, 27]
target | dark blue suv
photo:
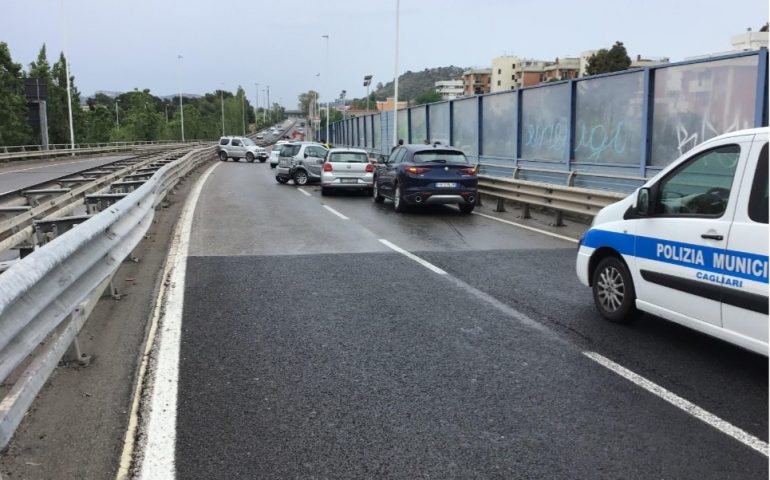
[426, 175]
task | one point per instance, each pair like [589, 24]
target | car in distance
[301, 162]
[274, 152]
[239, 147]
[346, 169]
[426, 175]
[260, 136]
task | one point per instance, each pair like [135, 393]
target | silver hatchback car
[347, 169]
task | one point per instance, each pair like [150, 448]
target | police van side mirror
[643, 202]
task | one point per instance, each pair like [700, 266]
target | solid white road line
[527, 227]
[336, 212]
[679, 402]
[414, 257]
[160, 424]
[303, 191]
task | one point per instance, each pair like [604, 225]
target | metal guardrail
[46, 297]
[25, 152]
[559, 198]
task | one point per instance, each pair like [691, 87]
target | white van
[691, 245]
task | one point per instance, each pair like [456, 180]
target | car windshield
[248, 142]
[440, 156]
[289, 150]
[349, 157]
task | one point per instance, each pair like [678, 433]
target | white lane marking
[303, 191]
[679, 402]
[40, 167]
[414, 257]
[336, 212]
[159, 448]
[526, 227]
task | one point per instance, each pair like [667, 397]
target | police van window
[758, 198]
[701, 186]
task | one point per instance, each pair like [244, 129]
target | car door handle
[709, 236]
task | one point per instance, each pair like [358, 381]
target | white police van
[691, 245]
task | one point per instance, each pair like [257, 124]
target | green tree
[58, 114]
[428, 96]
[305, 99]
[14, 129]
[612, 60]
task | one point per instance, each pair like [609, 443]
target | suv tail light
[369, 168]
[470, 170]
[327, 167]
[417, 170]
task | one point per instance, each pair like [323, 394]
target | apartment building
[449, 89]
[511, 72]
[638, 62]
[561, 69]
[387, 105]
[476, 81]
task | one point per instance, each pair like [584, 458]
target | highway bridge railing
[46, 297]
[25, 152]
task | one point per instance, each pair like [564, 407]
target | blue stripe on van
[734, 263]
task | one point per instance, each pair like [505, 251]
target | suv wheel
[223, 156]
[250, 157]
[300, 177]
[281, 180]
[398, 200]
[613, 291]
[466, 207]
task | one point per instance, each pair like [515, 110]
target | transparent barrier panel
[609, 119]
[439, 123]
[377, 132]
[545, 123]
[368, 130]
[403, 127]
[699, 101]
[418, 130]
[499, 125]
[465, 124]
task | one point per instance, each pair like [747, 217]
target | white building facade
[449, 89]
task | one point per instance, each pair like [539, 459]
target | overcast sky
[127, 44]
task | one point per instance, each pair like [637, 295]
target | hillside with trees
[413, 84]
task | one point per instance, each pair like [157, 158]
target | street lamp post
[117, 115]
[243, 110]
[326, 68]
[67, 74]
[395, 93]
[367, 82]
[256, 103]
[264, 109]
[222, 100]
[181, 105]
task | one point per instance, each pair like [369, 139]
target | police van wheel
[613, 290]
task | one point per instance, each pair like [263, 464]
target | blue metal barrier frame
[643, 168]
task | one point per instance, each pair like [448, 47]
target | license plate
[348, 180]
[446, 185]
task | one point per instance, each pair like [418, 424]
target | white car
[274, 152]
[347, 169]
[691, 245]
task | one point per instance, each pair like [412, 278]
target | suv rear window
[348, 157]
[289, 150]
[224, 141]
[440, 156]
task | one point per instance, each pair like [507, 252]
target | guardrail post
[571, 178]
[73, 353]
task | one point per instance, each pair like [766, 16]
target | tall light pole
[268, 102]
[67, 73]
[181, 106]
[117, 115]
[367, 82]
[222, 100]
[326, 68]
[264, 110]
[256, 103]
[395, 93]
[243, 109]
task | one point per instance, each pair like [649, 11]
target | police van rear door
[675, 247]
[744, 300]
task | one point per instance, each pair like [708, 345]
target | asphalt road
[311, 349]
[14, 177]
